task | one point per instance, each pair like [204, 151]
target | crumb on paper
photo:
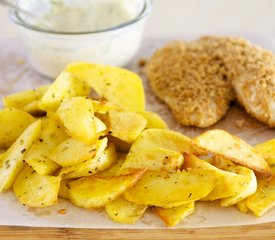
[21, 61]
[240, 123]
[142, 62]
[62, 211]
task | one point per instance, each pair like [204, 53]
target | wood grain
[262, 231]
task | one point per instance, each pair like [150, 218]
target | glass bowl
[50, 51]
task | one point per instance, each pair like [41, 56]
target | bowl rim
[147, 8]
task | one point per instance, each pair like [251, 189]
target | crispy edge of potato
[261, 166]
[172, 216]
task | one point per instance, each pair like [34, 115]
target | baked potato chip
[63, 88]
[12, 162]
[117, 85]
[161, 138]
[12, 123]
[163, 189]
[100, 127]
[223, 144]
[242, 206]
[102, 160]
[264, 198]
[124, 125]
[172, 216]
[153, 120]
[121, 146]
[35, 190]
[95, 191]
[246, 189]
[228, 183]
[154, 159]
[122, 211]
[71, 152]
[21, 99]
[77, 116]
[114, 170]
[38, 157]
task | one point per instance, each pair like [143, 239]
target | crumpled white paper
[16, 75]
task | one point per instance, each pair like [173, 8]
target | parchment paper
[16, 75]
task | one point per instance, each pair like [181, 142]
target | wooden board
[262, 231]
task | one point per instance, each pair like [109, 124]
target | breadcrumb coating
[192, 82]
[197, 80]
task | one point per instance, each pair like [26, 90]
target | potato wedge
[121, 146]
[161, 138]
[95, 191]
[35, 190]
[104, 106]
[153, 120]
[163, 189]
[71, 152]
[267, 149]
[77, 116]
[242, 207]
[114, 170]
[64, 188]
[103, 159]
[38, 157]
[22, 99]
[100, 127]
[124, 125]
[122, 211]
[155, 159]
[246, 189]
[63, 88]
[264, 198]
[228, 183]
[172, 216]
[12, 123]
[12, 161]
[33, 108]
[117, 85]
[223, 144]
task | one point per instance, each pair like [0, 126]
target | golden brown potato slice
[100, 127]
[104, 106]
[228, 183]
[121, 146]
[12, 123]
[102, 160]
[38, 157]
[163, 189]
[161, 138]
[22, 99]
[154, 159]
[267, 149]
[117, 85]
[95, 191]
[242, 207]
[114, 169]
[264, 198]
[33, 108]
[122, 211]
[12, 161]
[71, 152]
[77, 116]
[153, 120]
[64, 87]
[125, 125]
[223, 144]
[246, 189]
[172, 216]
[35, 190]
[64, 188]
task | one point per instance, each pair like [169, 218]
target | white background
[176, 17]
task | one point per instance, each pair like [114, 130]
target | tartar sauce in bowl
[100, 31]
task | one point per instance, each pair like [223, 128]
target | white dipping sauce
[49, 53]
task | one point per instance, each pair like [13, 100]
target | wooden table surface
[261, 231]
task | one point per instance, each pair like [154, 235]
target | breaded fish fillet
[192, 82]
